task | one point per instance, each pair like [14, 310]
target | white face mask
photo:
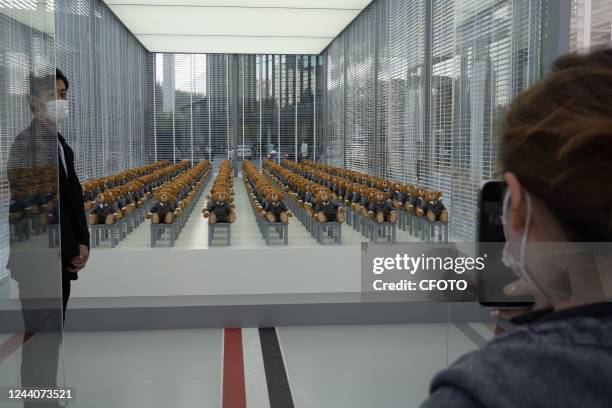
[57, 110]
[519, 266]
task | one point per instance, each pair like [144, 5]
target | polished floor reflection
[324, 366]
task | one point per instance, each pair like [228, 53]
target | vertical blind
[26, 51]
[208, 105]
[415, 90]
[106, 67]
[591, 24]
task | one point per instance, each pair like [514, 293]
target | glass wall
[106, 68]
[591, 24]
[30, 271]
[415, 90]
[218, 106]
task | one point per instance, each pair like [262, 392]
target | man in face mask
[40, 146]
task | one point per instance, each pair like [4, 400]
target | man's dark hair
[60, 75]
[39, 84]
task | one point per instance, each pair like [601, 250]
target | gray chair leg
[286, 234]
[229, 235]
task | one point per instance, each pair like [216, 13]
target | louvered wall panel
[336, 99]
[207, 105]
[360, 134]
[26, 50]
[107, 70]
[436, 77]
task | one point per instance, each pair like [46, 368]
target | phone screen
[496, 276]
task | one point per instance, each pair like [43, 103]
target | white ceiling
[236, 26]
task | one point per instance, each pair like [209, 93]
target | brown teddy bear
[434, 209]
[275, 209]
[399, 195]
[219, 208]
[102, 212]
[380, 207]
[414, 203]
[361, 197]
[34, 199]
[327, 210]
[164, 209]
[89, 195]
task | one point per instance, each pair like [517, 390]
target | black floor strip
[274, 366]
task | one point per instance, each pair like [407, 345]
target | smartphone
[490, 241]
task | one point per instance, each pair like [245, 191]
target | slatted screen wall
[207, 105]
[415, 90]
[107, 70]
[26, 49]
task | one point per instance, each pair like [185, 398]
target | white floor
[367, 366]
[329, 366]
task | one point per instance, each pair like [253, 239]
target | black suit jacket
[73, 224]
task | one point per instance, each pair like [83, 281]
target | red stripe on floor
[234, 394]
[13, 344]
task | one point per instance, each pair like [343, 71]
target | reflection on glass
[32, 103]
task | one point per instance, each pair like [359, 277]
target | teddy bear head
[49, 188]
[16, 194]
[322, 196]
[166, 196]
[379, 196]
[433, 195]
[274, 196]
[421, 192]
[32, 190]
[135, 186]
[221, 196]
[116, 192]
[107, 197]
